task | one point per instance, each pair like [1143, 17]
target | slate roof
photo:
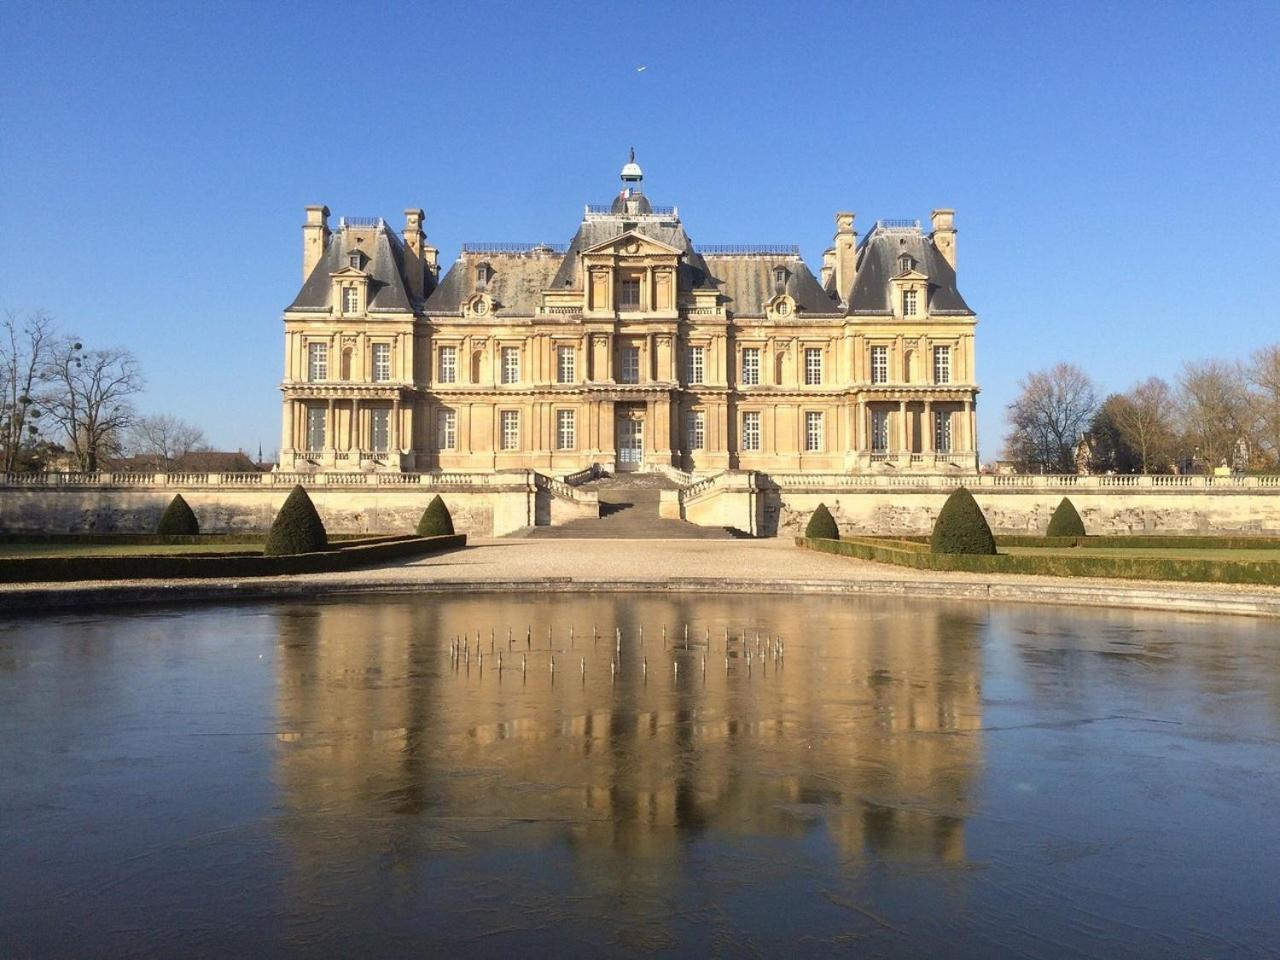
[515, 283]
[385, 267]
[878, 263]
[747, 284]
[598, 230]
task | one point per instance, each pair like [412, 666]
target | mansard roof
[596, 230]
[878, 263]
[747, 283]
[517, 277]
[384, 267]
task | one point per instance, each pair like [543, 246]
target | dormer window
[350, 300]
[906, 264]
[354, 261]
[909, 299]
[483, 273]
[779, 276]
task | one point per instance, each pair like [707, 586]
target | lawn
[18, 550]
[1170, 553]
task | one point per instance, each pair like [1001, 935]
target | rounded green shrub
[297, 527]
[1065, 521]
[961, 527]
[178, 520]
[435, 521]
[822, 526]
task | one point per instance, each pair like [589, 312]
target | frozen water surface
[910, 779]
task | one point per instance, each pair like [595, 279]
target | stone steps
[629, 507]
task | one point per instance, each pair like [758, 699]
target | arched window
[477, 360]
[346, 363]
[777, 368]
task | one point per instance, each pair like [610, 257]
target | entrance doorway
[630, 433]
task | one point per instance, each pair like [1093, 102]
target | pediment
[912, 275]
[633, 244]
[349, 272]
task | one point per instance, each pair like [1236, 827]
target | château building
[632, 347]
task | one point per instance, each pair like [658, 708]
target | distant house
[198, 461]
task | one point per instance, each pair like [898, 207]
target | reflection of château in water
[868, 728]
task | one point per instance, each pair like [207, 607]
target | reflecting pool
[891, 778]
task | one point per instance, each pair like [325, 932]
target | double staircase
[629, 510]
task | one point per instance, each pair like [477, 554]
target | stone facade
[631, 348]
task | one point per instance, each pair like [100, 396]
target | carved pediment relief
[633, 244]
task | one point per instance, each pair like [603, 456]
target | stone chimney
[414, 238]
[846, 250]
[944, 234]
[315, 238]
[828, 265]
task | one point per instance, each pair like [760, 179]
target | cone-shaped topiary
[297, 527]
[822, 526]
[178, 519]
[435, 521]
[961, 527]
[1065, 521]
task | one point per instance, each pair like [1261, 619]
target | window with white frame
[812, 430]
[566, 357]
[354, 260]
[813, 366]
[909, 302]
[566, 429]
[695, 430]
[751, 430]
[510, 426]
[941, 364]
[448, 366]
[350, 300]
[879, 431]
[629, 294]
[317, 361]
[750, 366]
[447, 429]
[629, 364]
[382, 362]
[694, 364]
[942, 431]
[880, 364]
[316, 433]
[380, 429]
[510, 364]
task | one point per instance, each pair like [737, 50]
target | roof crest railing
[748, 249]
[361, 222]
[898, 226]
[606, 210]
[514, 247]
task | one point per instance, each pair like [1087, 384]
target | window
[905, 263]
[566, 423]
[751, 366]
[629, 294]
[565, 359]
[448, 368]
[694, 366]
[909, 303]
[354, 260]
[382, 362]
[942, 431]
[879, 431]
[317, 361]
[751, 430]
[812, 430]
[629, 368]
[510, 364]
[780, 277]
[695, 430]
[812, 366]
[350, 300]
[380, 429]
[879, 364]
[482, 273]
[316, 428]
[941, 364]
[447, 429]
[510, 429]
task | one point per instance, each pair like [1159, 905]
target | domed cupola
[631, 198]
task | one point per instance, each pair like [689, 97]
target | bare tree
[90, 396]
[1213, 409]
[1053, 408]
[1263, 373]
[25, 347]
[1146, 422]
[164, 438]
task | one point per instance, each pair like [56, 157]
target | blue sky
[1113, 166]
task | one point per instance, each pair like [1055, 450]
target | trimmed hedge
[435, 521]
[193, 566]
[155, 539]
[1065, 521]
[1142, 541]
[297, 527]
[822, 525]
[178, 520]
[961, 527]
[908, 554]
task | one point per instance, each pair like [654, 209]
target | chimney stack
[413, 241]
[846, 246]
[828, 265]
[315, 238]
[944, 234]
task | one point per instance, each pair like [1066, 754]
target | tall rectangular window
[695, 430]
[942, 431]
[629, 294]
[812, 430]
[813, 366]
[350, 300]
[566, 429]
[629, 367]
[448, 372]
[909, 303]
[941, 364]
[751, 430]
[382, 362]
[750, 366]
[879, 431]
[317, 361]
[565, 359]
[510, 424]
[447, 429]
[316, 432]
[380, 429]
[880, 364]
[510, 364]
[694, 364]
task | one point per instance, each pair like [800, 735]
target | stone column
[286, 430]
[393, 441]
[903, 445]
[930, 444]
[970, 427]
[356, 443]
